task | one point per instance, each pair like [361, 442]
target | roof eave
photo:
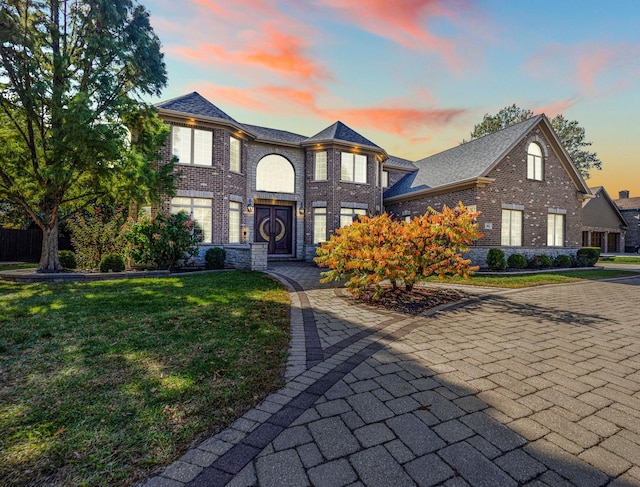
[478, 182]
[176, 115]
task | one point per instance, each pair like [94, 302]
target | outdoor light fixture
[301, 211]
[250, 207]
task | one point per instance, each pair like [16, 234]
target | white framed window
[353, 167]
[385, 179]
[534, 162]
[555, 228]
[275, 174]
[234, 154]
[347, 215]
[319, 224]
[235, 213]
[192, 146]
[200, 210]
[511, 232]
[320, 166]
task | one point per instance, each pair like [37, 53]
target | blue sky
[414, 76]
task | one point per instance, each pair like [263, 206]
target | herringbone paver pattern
[532, 387]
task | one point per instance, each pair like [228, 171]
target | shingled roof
[341, 133]
[194, 104]
[628, 203]
[467, 161]
[400, 163]
[275, 134]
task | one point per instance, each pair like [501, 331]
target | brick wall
[511, 187]
[337, 193]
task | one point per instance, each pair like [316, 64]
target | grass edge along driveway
[103, 382]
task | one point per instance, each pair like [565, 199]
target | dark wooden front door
[273, 225]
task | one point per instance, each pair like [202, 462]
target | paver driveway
[531, 387]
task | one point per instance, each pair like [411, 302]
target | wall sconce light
[250, 207]
[301, 211]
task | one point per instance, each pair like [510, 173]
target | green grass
[620, 259]
[529, 280]
[103, 382]
[22, 265]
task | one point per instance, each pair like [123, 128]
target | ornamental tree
[373, 250]
[570, 133]
[74, 130]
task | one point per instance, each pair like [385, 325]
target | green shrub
[67, 259]
[562, 261]
[96, 232]
[214, 258]
[112, 262]
[517, 261]
[496, 260]
[163, 241]
[540, 262]
[587, 256]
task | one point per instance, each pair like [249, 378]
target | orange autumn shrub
[375, 249]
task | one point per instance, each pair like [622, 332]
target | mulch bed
[412, 302]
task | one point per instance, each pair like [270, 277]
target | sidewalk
[532, 387]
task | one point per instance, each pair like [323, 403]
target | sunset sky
[414, 76]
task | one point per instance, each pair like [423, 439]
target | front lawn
[529, 280]
[103, 382]
[620, 259]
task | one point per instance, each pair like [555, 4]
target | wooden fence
[25, 245]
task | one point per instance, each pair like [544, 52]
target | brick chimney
[624, 194]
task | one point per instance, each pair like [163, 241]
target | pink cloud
[397, 120]
[590, 66]
[404, 22]
[554, 108]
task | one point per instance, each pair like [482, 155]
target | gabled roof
[275, 134]
[339, 132]
[394, 162]
[472, 159]
[194, 104]
[592, 211]
[628, 203]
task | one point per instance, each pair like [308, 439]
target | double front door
[273, 226]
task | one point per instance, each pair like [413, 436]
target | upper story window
[385, 179]
[353, 167]
[275, 173]
[234, 154]
[534, 162]
[320, 166]
[192, 146]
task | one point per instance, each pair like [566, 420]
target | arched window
[276, 174]
[534, 162]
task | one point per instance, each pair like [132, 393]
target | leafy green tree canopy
[74, 130]
[570, 133]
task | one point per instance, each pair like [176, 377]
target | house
[602, 223]
[630, 211]
[521, 180]
[264, 193]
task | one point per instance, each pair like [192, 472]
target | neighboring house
[521, 180]
[602, 223]
[630, 210]
[266, 193]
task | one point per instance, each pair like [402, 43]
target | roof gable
[194, 104]
[339, 132]
[601, 211]
[466, 161]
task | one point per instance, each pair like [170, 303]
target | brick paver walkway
[531, 387]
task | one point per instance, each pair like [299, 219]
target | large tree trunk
[49, 261]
